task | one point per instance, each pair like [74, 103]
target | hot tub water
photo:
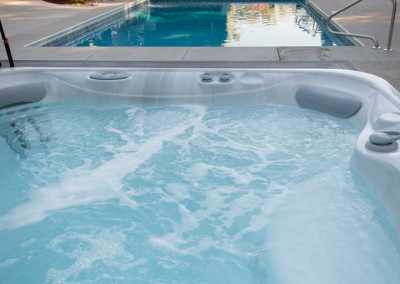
[221, 193]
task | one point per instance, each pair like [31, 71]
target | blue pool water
[229, 24]
[257, 193]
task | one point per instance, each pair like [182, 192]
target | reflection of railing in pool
[328, 21]
[307, 23]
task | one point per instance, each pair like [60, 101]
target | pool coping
[334, 64]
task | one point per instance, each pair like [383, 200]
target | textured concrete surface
[26, 21]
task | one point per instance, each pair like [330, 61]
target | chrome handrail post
[391, 26]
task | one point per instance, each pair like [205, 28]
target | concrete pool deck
[26, 21]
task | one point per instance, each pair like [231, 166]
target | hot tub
[198, 175]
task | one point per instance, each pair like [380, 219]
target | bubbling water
[187, 193]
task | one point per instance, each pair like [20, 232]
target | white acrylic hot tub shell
[380, 101]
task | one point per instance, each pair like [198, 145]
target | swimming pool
[197, 175]
[206, 23]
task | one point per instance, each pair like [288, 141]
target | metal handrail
[365, 36]
[349, 34]
[7, 46]
[391, 26]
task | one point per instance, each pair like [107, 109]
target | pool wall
[375, 104]
[100, 22]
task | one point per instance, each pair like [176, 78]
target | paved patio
[26, 21]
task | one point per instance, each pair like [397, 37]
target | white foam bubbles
[8, 262]
[178, 191]
[84, 185]
[28, 243]
[198, 171]
[106, 247]
[170, 242]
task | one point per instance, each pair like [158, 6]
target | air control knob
[225, 78]
[206, 77]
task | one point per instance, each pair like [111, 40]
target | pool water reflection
[213, 24]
